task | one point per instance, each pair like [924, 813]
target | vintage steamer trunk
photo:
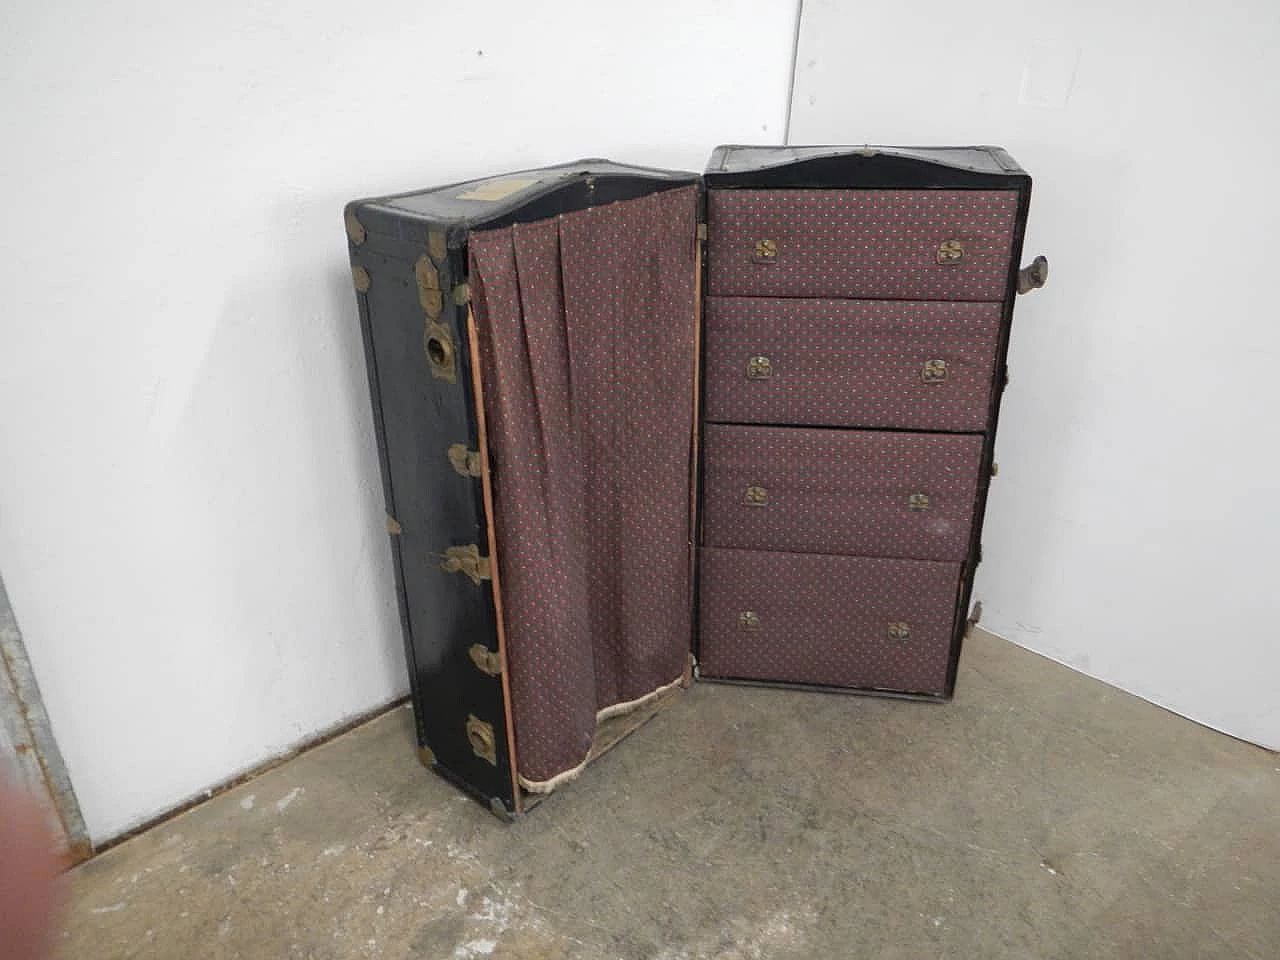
[585, 486]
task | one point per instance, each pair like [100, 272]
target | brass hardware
[393, 526]
[355, 229]
[918, 501]
[749, 619]
[950, 251]
[934, 371]
[487, 661]
[756, 496]
[480, 736]
[426, 756]
[766, 251]
[465, 462]
[360, 276]
[701, 232]
[899, 630]
[759, 368]
[1033, 277]
[466, 560]
[429, 294]
[462, 294]
[437, 247]
[437, 342]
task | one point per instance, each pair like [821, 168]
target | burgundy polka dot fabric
[851, 362]
[836, 621]
[840, 491]
[587, 347]
[861, 243]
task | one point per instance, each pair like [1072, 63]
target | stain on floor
[1039, 815]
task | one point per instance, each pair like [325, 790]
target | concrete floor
[1041, 814]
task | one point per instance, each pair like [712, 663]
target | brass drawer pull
[756, 496]
[766, 252]
[950, 251]
[759, 368]
[918, 501]
[749, 620]
[899, 631]
[934, 371]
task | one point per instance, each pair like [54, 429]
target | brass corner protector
[465, 462]
[480, 736]
[360, 277]
[355, 229]
[467, 560]
[487, 661]
[426, 756]
[393, 526]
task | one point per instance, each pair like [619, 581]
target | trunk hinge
[466, 462]
[487, 661]
[466, 560]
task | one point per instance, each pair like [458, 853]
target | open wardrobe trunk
[591, 500]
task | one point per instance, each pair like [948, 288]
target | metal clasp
[899, 631]
[749, 620]
[755, 496]
[918, 501]
[759, 368]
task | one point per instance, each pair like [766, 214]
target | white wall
[1134, 526]
[190, 516]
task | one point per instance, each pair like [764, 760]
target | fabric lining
[586, 329]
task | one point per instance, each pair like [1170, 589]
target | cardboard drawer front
[857, 363]
[833, 621]
[899, 244]
[907, 495]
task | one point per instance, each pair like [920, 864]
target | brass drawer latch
[756, 496]
[899, 631]
[466, 560]
[749, 620]
[480, 736]
[934, 371]
[918, 501]
[950, 251]
[766, 252]
[759, 368]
